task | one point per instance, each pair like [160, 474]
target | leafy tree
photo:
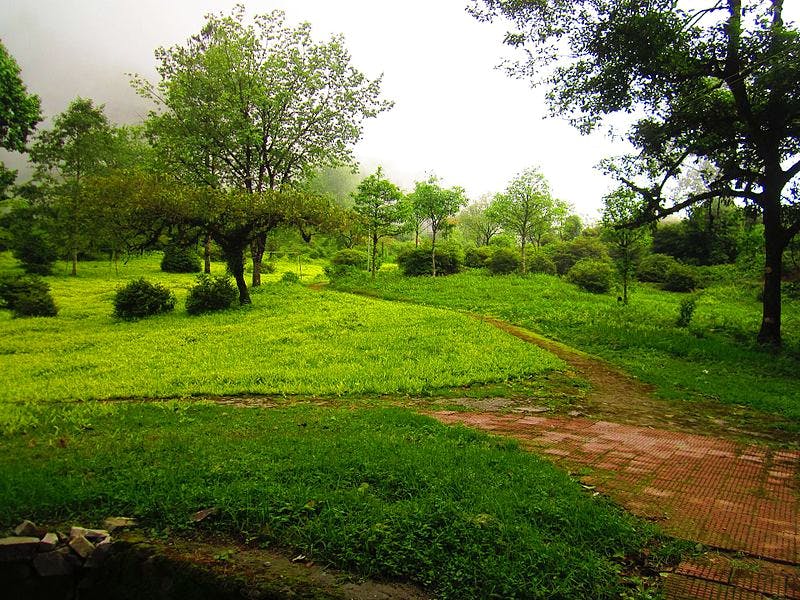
[570, 228]
[621, 207]
[257, 107]
[718, 82]
[479, 221]
[436, 205]
[19, 114]
[526, 209]
[377, 200]
[78, 146]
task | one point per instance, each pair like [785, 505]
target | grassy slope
[715, 357]
[290, 341]
[382, 492]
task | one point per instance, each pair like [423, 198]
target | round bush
[503, 262]
[566, 254]
[539, 262]
[477, 258]
[180, 259]
[680, 278]
[654, 267]
[211, 294]
[35, 252]
[350, 257]
[290, 277]
[417, 260]
[140, 298]
[27, 296]
[592, 275]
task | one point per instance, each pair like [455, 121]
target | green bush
[539, 262]
[180, 259]
[686, 311]
[592, 275]
[680, 278]
[653, 268]
[503, 262]
[27, 296]
[415, 261]
[565, 255]
[210, 294]
[477, 258]
[350, 257]
[35, 252]
[268, 267]
[140, 298]
[290, 277]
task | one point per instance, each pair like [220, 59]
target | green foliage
[540, 262]
[34, 250]
[680, 278]
[592, 275]
[290, 277]
[686, 311]
[479, 222]
[141, 298]
[477, 257]
[180, 259]
[350, 257]
[27, 296]
[211, 294]
[416, 261]
[504, 261]
[653, 268]
[19, 110]
[566, 254]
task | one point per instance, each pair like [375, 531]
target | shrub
[350, 257]
[268, 267]
[417, 260]
[290, 277]
[566, 254]
[477, 258]
[140, 298]
[654, 267]
[180, 259]
[27, 296]
[592, 275]
[210, 294]
[680, 278]
[686, 311]
[35, 252]
[503, 262]
[539, 262]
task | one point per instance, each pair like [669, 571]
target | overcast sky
[455, 114]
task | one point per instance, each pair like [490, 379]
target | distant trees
[479, 221]
[378, 202]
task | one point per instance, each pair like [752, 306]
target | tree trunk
[770, 333]
[433, 253]
[374, 253]
[416, 237]
[257, 247]
[522, 256]
[74, 272]
[235, 262]
[207, 255]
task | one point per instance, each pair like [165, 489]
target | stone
[81, 546]
[99, 555]
[29, 529]
[48, 542]
[18, 548]
[93, 535]
[114, 523]
[202, 515]
[52, 564]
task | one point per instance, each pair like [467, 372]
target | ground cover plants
[714, 357]
[382, 492]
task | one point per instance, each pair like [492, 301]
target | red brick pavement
[723, 494]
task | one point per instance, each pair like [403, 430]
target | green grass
[291, 341]
[715, 357]
[381, 492]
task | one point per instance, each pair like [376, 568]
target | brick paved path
[725, 495]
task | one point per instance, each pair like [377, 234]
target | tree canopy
[716, 81]
[378, 202]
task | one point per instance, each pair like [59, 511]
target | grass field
[715, 357]
[381, 492]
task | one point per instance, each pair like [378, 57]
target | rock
[52, 564]
[202, 515]
[114, 523]
[81, 546]
[18, 548]
[93, 535]
[70, 556]
[99, 555]
[29, 529]
[48, 542]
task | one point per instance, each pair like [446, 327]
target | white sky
[455, 114]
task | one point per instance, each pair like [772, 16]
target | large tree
[378, 202]
[716, 81]
[257, 106]
[19, 114]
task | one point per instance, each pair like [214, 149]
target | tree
[570, 228]
[718, 82]
[621, 207]
[19, 114]
[526, 209]
[413, 217]
[256, 107]
[479, 221]
[377, 200]
[436, 204]
[79, 145]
